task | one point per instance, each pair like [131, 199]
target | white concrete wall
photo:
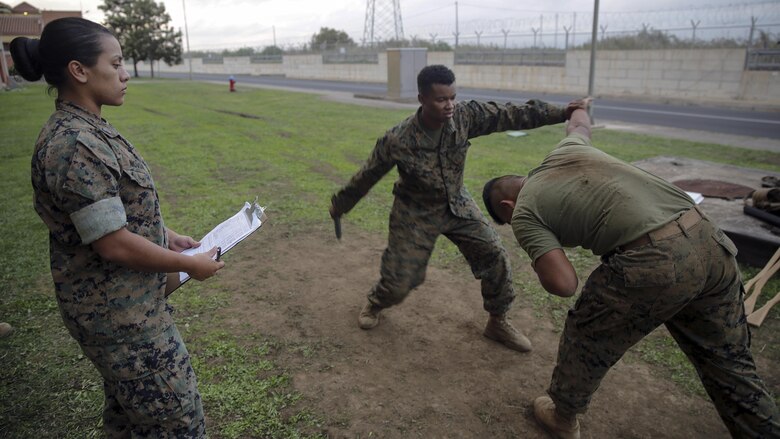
[232, 66]
[312, 67]
[761, 87]
[443, 58]
[692, 74]
[536, 78]
[713, 74]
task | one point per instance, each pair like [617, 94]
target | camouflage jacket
[88, 181]
[431, 173]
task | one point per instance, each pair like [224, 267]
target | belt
[681, 225]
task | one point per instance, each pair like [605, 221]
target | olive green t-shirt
[581, 196]
[434, 135]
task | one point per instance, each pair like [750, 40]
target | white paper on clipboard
[230, 232]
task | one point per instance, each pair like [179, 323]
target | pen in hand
[219, 253]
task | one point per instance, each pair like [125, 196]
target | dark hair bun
[24, 52]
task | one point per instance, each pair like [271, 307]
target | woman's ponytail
[24, 52]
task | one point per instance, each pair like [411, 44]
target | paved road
[715, 120]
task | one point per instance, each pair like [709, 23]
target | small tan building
[23, 20]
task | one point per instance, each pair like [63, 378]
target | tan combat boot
[499, 329]
[558, 426]
[369, 316]
[5, 330]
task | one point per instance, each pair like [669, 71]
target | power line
[428, 11]
[698, 8]
[526, 10]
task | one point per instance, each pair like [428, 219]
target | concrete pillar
[403, 65]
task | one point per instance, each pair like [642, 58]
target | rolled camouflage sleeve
[377, 165]
[99, 219]
[490, 117]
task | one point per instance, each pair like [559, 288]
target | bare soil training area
[426, 370]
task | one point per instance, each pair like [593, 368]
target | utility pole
[187, 36]
[274, 29]
[594, 36]
[457, 30]
[753, 21]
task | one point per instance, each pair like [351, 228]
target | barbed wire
[548, 28]
[714, 15]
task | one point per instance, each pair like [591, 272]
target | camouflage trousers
[164, 404]
[413, 233]
[689, 282]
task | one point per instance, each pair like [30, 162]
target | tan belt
[672, 228]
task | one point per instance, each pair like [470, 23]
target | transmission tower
[383, 21]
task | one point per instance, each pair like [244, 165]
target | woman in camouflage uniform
[109, 248]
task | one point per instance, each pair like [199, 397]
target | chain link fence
[350, 55]
[265, 59]
[556, 58]
[763, 59]
[213, 58]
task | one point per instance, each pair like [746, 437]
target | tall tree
[167, 47]
[328, 37]
[272, 50]
[144, 31]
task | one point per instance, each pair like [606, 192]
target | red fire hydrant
[232, 83]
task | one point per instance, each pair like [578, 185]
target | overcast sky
[217, 24]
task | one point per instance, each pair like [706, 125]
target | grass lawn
[210, 151]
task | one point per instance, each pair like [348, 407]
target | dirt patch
[327, 170]
[358, 160]
[426, 370]
[239, 114]
[156, 112]
[254, 136]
